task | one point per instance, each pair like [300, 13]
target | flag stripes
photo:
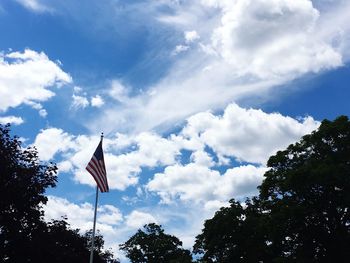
[96, 167]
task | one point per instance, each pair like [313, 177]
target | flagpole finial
[101, 135]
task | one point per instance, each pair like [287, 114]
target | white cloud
[26, 78]
[188, 183]
[179, 49]
[199, 184]
[80, 216]
[149, 150]
[97, 101]
[43, 113]
[77, 89]
[39, 107]
[109, 214]
[201, 157]
[79, 102]
[191, 36]
[123, 169]
[247, 49]
[247, 134]
[118, 91]
[34, 5]
[269, 38]
[239, 182]
[137, 219]
[51, 141]
[11, 119]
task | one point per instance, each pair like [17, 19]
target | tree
[100, 255]
[24, 235]
[307, 194]
[152, 245]
[23, 180]
[302, 211]
[234, 234]
[59, 243]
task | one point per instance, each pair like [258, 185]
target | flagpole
[94, 227]
[93, 230]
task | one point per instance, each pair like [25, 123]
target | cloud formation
[97, 101]
[248, 135]
[273, 38]
[246, 49]
[244, 135]
[11, 119]
[27, 78]
[199, 184]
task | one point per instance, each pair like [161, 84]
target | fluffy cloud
[79, 102]
[11, 119]
[268, 38]
[97, 101]
[26, 78]
[191, 36]
[246, 49]
[80, 98]
[189, 183]
[81, 215]
[247, 134]
[199, 184]
[148, 150]
[51, 141]
[137, 219]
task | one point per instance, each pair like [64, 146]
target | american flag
[96, 167]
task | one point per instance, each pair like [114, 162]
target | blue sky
[193, 97]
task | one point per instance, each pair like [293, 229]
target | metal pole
[93, 230]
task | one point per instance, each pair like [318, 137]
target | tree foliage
[23, 181]
[234, 234]
[24, 235]
[307, 191]
[152, 245]
[63, 244]
[301, 213]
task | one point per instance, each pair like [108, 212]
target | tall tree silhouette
[152, 245]
[24, 235]
[307, 194]
[23, 180]
[302, 213]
